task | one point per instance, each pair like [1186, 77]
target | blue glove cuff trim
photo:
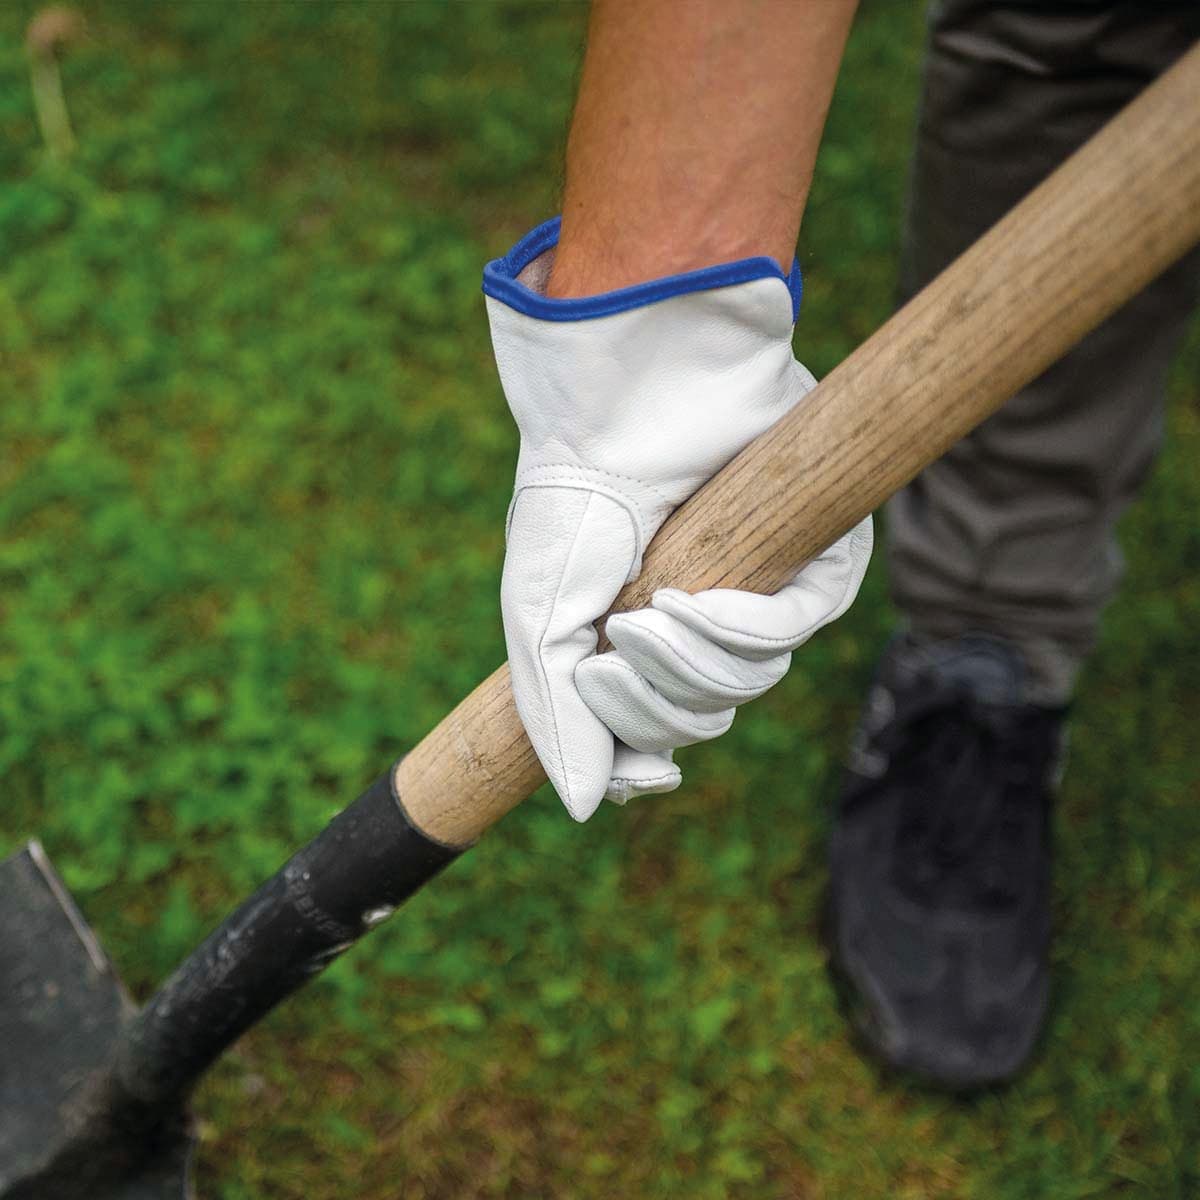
[500, 282]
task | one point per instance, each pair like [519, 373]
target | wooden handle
[1110, 219]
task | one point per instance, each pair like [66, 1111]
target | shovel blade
[62, 1008]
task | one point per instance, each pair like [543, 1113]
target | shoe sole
[868, 1038]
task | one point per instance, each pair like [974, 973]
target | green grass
[254, 464]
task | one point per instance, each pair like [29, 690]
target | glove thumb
[569, 552]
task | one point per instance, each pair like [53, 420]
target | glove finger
[761, 627]
[638, 774]
[639, 715]
[568, 554]
[687, 667]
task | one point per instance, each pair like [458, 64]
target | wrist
[588, 263]
[520, 280]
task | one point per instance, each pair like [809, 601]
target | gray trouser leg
[1012, 532]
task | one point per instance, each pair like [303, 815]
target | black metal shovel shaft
[347, 880]
[93, 1095]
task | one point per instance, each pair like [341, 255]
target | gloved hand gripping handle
[1111, 218]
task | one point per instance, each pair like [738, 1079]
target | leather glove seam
[643, 780]
[545, 678]
[699, 720]
[712, 628]
[594, 481]
[750, 693]
[576, 473]
[583, 467]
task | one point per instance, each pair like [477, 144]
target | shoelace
[966, 771]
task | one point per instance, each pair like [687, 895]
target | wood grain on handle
[1095, 233]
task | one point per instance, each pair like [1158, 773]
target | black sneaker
[939, 914]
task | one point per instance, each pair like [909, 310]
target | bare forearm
[694, 135]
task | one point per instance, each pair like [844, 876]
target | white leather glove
[626, 403]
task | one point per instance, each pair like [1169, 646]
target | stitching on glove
[643, 524]
[750, 693]
[541, 661]
[577, 471]
[788, 643]
[699, 723]
[642, 780]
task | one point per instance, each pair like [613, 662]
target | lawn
[254, 465]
